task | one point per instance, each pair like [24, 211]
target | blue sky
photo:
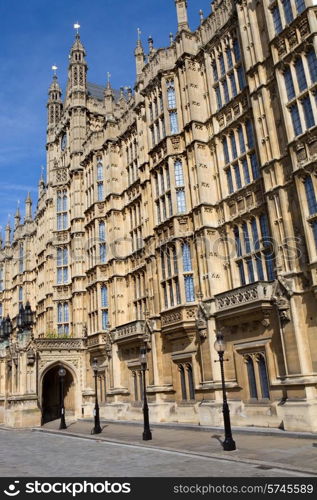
[38, 33]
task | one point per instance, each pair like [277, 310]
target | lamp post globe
[97, 427]
[220, 346]
[62, 373]
[147, 435]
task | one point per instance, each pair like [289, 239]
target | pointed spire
[55, 91]
[77, 49]
[77, 69]
[182, 16]
[109, 98]
[139, 55]
[41, 185]
[54, 104]
[17, 217]
[7, 241]
[171, 39]
[201, 16]
[28, 208]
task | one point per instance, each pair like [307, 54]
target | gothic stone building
[169, 212]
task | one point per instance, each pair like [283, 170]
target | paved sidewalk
[265, 450]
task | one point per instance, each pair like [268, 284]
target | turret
[182, 17]
[109, 99]
[54, 104]
[17, 217]
[28, 209]
[7, 241]
[77, 69]
[139, 56]
[41, 186]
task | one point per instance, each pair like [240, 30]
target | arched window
[237, 241]
[251, 376]
[183, 382]
[62, 318]
[310, 195]
[288, 13]
[241, 140]
[179, 174]
[104, 296]
[265, 230]
[104, 308]
[171, 96]
[255, 234]
[190, 381]
[312, 64]
[289, 86]
[263, 377]
[99, 171]
[300, 73]
[102, 233]
[21, 258]
[187, 260]
[300, 5]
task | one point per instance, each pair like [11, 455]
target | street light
[147, 435]
[228, 444]
[21, 318]
[62, 373]
[97, 428]
[28, 315]
[7, 326]
[2, 337]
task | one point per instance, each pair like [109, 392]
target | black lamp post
[97, 428]
[147, 435]
[228, 444]
[62, 373]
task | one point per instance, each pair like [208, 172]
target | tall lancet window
[172, 106]
[62, 265]
[104, 308]
[21, 258]
[62, 318]
[180, 187]
[61, 210]
[99, 171]
[102, 242]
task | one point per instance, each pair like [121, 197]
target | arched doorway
[51, 394]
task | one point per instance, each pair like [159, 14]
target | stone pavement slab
[43, 454]
[297, 454]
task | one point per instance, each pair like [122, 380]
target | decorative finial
[108, 80]
[150, 40]
[54, 68]
[171, 39]
[201, 15]
[139, 34]
[76, 27]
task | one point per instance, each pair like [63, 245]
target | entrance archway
[51, 394]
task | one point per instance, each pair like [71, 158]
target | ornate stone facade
[168, 212]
